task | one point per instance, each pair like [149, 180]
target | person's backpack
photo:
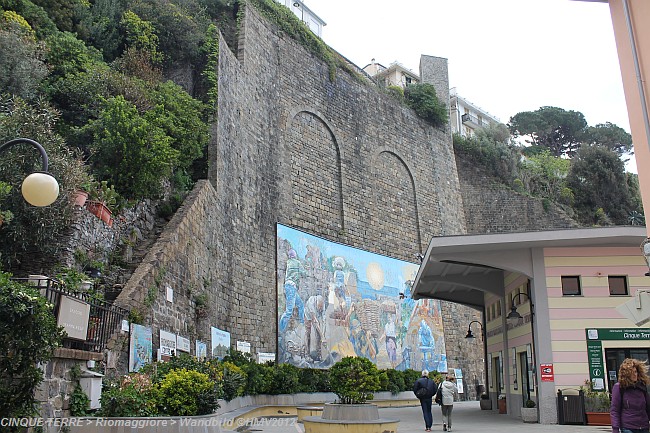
[422, 392]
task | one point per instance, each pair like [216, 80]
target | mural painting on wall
[336, 301]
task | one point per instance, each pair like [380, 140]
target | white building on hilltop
[313, 21]
[466, 117]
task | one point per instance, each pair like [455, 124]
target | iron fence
[104, 319]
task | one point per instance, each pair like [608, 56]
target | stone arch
[395, 189]
[316, 177]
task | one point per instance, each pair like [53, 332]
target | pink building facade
[581, 294]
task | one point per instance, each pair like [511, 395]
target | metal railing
[104, 320]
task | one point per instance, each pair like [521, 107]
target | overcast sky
[506, 56]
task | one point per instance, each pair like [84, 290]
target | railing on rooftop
[104, 320]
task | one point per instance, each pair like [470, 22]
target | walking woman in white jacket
[448, 392]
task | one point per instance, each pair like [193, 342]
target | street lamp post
[39, 188]
[485, 352]
[514, 315]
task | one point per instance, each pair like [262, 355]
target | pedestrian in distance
[448, 391]
[630, 407]
[424, 389]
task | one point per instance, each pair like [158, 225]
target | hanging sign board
[73, 317]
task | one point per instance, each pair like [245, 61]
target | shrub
[133, 395]
[234, 380]
[354, 380]
[285, 379]
[395, 381]
[423, 100]
[314, 380]
[187, 393]
[530, 403]
[259, 378]
[28, 315]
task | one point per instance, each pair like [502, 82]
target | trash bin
[571, 407]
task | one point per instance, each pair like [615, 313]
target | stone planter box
[358, 418]
[486, 404]
[529, 414]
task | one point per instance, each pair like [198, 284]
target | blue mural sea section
[335, 301]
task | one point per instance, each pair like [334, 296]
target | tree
[131, 152]
[544, 175]
[610, 136]
[21, 57]
[552, 127]
[598, 180]
[34, 232]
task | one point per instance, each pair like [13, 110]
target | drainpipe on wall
[637, 70]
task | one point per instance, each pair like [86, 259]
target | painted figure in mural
[427, 345]
[391, 342]
[339, 279]
[407, 308]
[364, 344]
[294, 272]
[314, 335]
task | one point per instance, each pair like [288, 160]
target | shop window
[617, 285]
[571, 286]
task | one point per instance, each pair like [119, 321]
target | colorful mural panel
[336, 301]
[140, 347]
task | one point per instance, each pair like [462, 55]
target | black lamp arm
[40, 148]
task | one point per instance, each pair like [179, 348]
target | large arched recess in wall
[316, 175]
[394, 179]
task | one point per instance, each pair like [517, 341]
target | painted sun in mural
[375, 275]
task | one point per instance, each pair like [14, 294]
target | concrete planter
[486, 404]
[529, 414]
[356, 418]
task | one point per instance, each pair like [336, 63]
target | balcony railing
[473, 121]
[104, 320]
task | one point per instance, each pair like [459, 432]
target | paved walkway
[467, 417]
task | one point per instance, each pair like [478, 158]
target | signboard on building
[546, 372]
[183, 344]
[263, 357]
[73, 317]
[167, 345]
[220, 342]
[201, 350]
[458, 373]
[244, 346]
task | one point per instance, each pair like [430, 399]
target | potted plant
[353, 380]
[102, 199]
[597, 403]
[529, 411]
[485, 402]
[82, 180]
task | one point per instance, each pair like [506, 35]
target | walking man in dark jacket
[425, 397]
